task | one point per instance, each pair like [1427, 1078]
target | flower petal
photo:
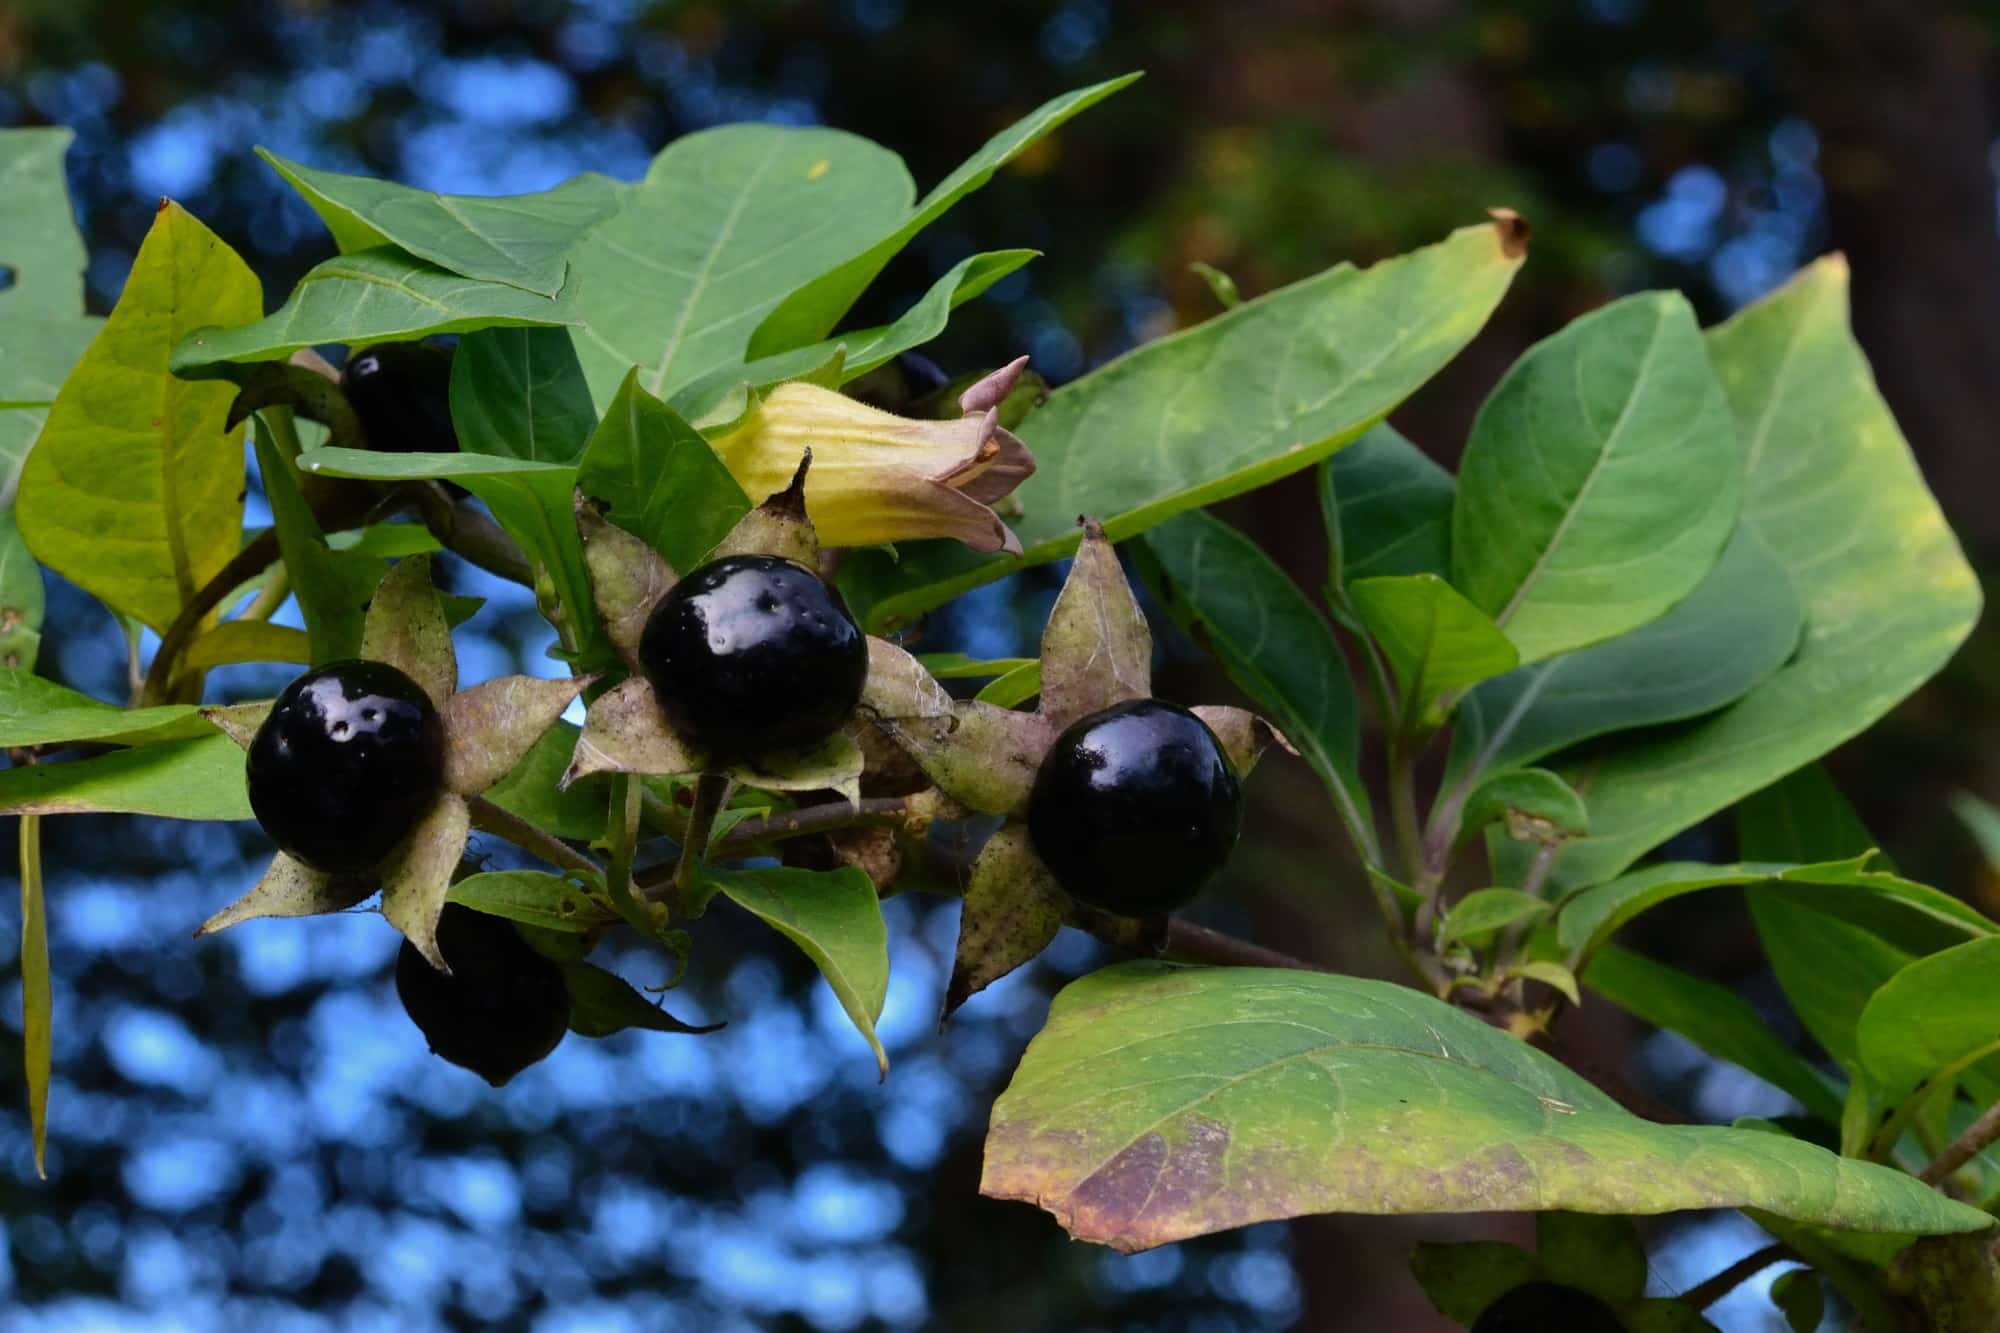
[291, 888]
[419, 875]
[405, 627]
[627, 578]
[1013, 908]
[625, 732]
[240, 721]
[1096, 649]
[1243, 734]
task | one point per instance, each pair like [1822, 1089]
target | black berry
[1543, 1307]
[752, 654]
[351, 757]
[1135, 808]
[502, 1008]
[402, 394]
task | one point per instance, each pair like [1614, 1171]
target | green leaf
[1387, 509]
[1462, 1280]
[37, 711]
[1982, 820]
[715, 394]
[40, 353]
[1834, 492]
[532, 501]
[333, 587]
[1715, 1018]
[247, 641]
[1798, 1294]
[1220, 284]
[521, 239]
[530, 897]
[1252, 395]
[22, 598]
[1592, 916]
[134, 490]
[1553, 975]
[1601, 481]
[1478, 914]
[1161, 1103]
[1018, 686]
[1600, 1255]
[530, 791]
[372, 296]
[1534, 804]
[521, 393]
[808, 314]
[1437, 643]
[957, 666]
[1732, 632]
[836, 918]
[192, 779]
[1827, 966]
[601, 1003]
[37, 998]
[1273, 643]
[658, 479]
[725, 223]
[38, 235]
[1938, 1011]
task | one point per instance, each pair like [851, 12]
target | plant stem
[1706, 1293]
[269, 597]
[872, 812]
[490, 818]
[710, 789]
[1199, 944]
[1978, 1136]
[246, 564]
[623, 837]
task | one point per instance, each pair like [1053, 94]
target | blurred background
[247, 1132]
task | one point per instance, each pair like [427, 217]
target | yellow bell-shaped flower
[877, 477]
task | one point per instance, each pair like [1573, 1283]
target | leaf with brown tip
[627, 578]
[419, 877]
[1244, 735]
[490, 726]
[405, 627]
[1013, 908]
[778, 526]
[240, 722]
[625, 732]
[291, 888]
[833, 765]
[1097, 650]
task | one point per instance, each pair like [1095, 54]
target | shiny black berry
[752, 654]
[1544, 1307]
[502, 1008]
[351, 757]
[1135, 808]
[402, 394]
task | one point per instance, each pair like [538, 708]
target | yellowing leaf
[134, 490]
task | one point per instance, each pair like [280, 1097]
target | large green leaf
[521, 393]
[37, 711]
[1938, 1011]
[532, 898]
[522, 240]
[1161, 1103]
[533, 501]
[1738, 627]
[809, 313]
[658, 478]
[23, 598]
[192, 779]
[1601, 480]
[1435, 640]
[1594, 915]
[39, 244]
[860, 351]
[1387, 508]
[1273, 643]
[836, 918]
[1713, 1017]
[1264, 390]
[1888, 596]
[371, 296]
[725, 223]
[134, 490]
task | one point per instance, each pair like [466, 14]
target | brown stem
[710, 789]
[871, 812]
[1199, 944]
[490, 818]
[1706, 1293]
[1978, 1136]
[246, 564]
[472, 535]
